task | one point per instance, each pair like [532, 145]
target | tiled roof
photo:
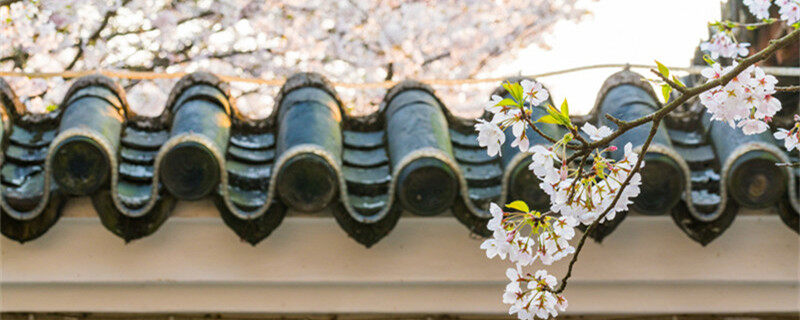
[411, 155]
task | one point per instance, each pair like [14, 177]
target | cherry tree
[587, 188]
[348, 41]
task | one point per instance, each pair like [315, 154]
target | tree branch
[110, 14]
[656, 118]
[594, 224]
[680, 88]
[624, 126]
[795, 88]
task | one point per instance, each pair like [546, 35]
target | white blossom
[490, 136]
[497, 217]
[722, 45]
[492, 106]
[789, 10]
[534, 91]
[595, 133]
[498, 245]
[753, 126]
[746, 101]
[791, 139]
[759, 8]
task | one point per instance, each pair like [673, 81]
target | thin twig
[594, 224]
[539, 131]
[95, 35]
[680, 88]
[789, 164]
[578, 177]
[624, 126]
[733, 24]
[795, 88]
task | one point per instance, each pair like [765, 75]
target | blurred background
[350, 41]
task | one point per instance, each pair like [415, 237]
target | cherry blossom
[548, 242]
[515, 113]
[596, 133]
[497, 217]
[577, 196]
[791, 138]
[498, 245]
[490, 136]
[789, 10]
[746, 100]
[753, 126]
[532, 296]
[759, 8]
[585, 198]
[722, 45]
[598, 188]
[534, 91]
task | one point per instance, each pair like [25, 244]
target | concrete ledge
[428, 265]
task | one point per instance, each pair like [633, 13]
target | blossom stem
[580, 171]
[733, 24]
[594, 224]
[671, 83]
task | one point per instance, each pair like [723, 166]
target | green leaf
[665, 91]
[518, 205]
[515, 89]
[548, 119]
[556, 114]
[507, 102]
[51, 107]
[662, 69]
[565, 108]
[678, 81]
[708, 60]
[552, 110]
[507, 86]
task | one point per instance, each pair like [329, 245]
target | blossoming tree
[587, 188]
[348, 41]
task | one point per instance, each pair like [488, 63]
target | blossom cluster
[348, 41]
[584, 195]
[532, 296]
[791, 137]
[578, 195]
[528, 235]
[789, 10]
[724, 44]
[510, 113]
[524, 236]
[745, 102]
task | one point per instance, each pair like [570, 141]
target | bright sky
[619, 31]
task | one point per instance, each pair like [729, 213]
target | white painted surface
[426, 265]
